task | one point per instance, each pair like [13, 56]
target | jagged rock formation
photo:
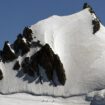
[45, 58]
[8, 53]
[20, 46]
[48, 60]
[95, 21]
[16, 66]
[86, 5]
[96, 25]
[27, 33]
[1, 75]
[58, 66]
[26, 67]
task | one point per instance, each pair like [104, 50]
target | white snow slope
[81, 52]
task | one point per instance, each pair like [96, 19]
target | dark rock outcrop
[45, 58]
[86, 5]
[16, 66]
[50, 62]
[20, 46]
[96, 25]
[7, 53]
[31, 72]
[58, 66]
[25, 64]
[34, 63]
[27, 33]
[36, 44]
[17, 43]
[96, 21]
[27, 67]
[1, 75]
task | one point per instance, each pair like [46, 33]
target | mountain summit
[58, 56]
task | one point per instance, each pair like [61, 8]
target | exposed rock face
[45, 58]
[27, 33]
[1, 75]
[7, 53]
[96, 21]
[86, 5]
[58, 66]
[26, 67]
[16, 66]
[20, 46]
[96, 25]
[50, 62]
[36, 44]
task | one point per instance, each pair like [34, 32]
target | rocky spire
[8, 53]
[20, 46]
[27, 33]
[95, 21]
[86, 5]
[50, 62]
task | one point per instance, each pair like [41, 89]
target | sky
[16, 14]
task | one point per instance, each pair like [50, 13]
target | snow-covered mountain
[58, 56]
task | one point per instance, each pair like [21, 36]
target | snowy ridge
[78, 40]
[72, 37]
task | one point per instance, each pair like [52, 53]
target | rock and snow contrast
[61, 57]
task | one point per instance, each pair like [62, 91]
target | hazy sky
[16, 14]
